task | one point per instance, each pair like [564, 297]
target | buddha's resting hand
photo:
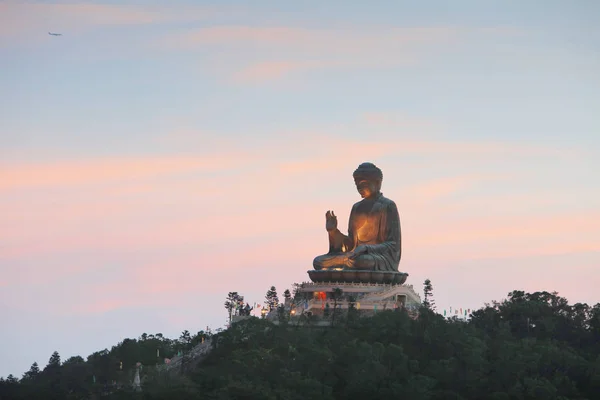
[359, 250]
[330, 221]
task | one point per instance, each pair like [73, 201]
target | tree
[352, 311]
[54, 361]
[271, 299]
[53, 375]
[76, 377]
[296, 291]
[326, 310]
[287, 295]
[12, 389]
[33, 372]
[336, 295]
[428, 301]
[74, 360]
[281, 314]
[232, 303]
[185, 339]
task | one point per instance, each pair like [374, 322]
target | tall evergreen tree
[54, 361]
[52, 375]
[231, 303]
[287, 295]
[33, 372]
[296, 290]
[271, 299]
[428, 301]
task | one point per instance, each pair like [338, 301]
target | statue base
[317, 298]
[358, 276]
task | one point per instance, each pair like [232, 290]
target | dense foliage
[530, 346]
[104, 372]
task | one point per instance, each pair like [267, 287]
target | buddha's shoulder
[385, 201]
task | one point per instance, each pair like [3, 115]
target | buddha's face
[367, 188]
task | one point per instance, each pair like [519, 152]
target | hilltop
[529, 346]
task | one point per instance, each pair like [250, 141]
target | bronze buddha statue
[373, 242]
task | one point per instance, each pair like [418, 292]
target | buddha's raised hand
[330, 221]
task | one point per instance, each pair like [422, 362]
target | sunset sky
[161, 154]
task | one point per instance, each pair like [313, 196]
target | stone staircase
[192, 357]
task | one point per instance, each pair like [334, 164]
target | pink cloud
[20, 22]
[99, 305]
[167, 282]
[457, 238]
[400, 121]
[279, 51]
[433, 190]
[125, 191]
[339, 40]
[79, 172]
[99, 14]
[333, 153]
[184, 226]
[330, 153]
[269, 70]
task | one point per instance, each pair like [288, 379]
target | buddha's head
[367, 178]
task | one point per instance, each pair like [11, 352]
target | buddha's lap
[341, 259]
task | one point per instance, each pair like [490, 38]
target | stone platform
[385, 277]
[368, 297]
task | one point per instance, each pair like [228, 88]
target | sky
[159, 155]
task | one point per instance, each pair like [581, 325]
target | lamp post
[263, 312]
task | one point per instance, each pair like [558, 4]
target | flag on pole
[444, 313]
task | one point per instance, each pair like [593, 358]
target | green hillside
[529, 346]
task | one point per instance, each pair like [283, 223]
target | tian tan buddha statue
[373, 242]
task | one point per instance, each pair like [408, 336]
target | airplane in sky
[54, 34]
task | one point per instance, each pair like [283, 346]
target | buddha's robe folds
[374, 223]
